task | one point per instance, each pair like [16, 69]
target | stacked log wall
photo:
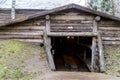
[110, 31]
[72, 22]
[5, 14]
[28, 31]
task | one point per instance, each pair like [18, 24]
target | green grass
[113, 60]
[12, 57]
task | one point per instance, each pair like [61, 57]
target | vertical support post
[95, 28]
[94, 45]
[47, 42]
[101, 54]
[47, 23]
[13, 9]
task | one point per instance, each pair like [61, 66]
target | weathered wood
[94, 47]
[110, 28]
[30, 40]
[72, 24]
[111, 42]
[67, 30]
[71, 21]
[48, 51]
[101, 54]
[111, 38]
[67, 17]
[20, 37]
[24, 28]
[61, 9]
[95, 27]
[72, 34]
[47, 23]
[13, 9]
[22, 33]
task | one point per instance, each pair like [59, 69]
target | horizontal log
[108, 25]
[64, 17]
[108, 22]
[73, 27]
[20, 37]
[109, 31]
[19, 30]
[71, 34]
[110, 28]
[86, 22]
[30, 40]
[110, 35]
[111, 38]
[111, 42]
[70, 21]
[25, 28]
[67, 30]
[22, 33]
[80, 24]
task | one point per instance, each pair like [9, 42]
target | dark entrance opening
[72, 53]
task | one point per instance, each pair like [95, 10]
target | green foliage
[12, 57]
[113, 60]
[101, 5]
[13, 53]
[28, 77]
[6, 73]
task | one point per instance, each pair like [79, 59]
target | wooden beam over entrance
[87, 34]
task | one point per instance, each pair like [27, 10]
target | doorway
[72, 53]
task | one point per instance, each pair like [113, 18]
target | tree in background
[101, 5]
[116, 7]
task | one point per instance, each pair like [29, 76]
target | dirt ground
[38, 64]
[33, 60]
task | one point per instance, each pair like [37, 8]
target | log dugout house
[73, 35]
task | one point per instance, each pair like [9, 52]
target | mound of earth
[20, 60]
[112, 54]
[25, 61]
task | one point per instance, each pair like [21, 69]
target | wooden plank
[94, 45]
[72, 34]
[101, 54]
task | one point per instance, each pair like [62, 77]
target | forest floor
[24, 61]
